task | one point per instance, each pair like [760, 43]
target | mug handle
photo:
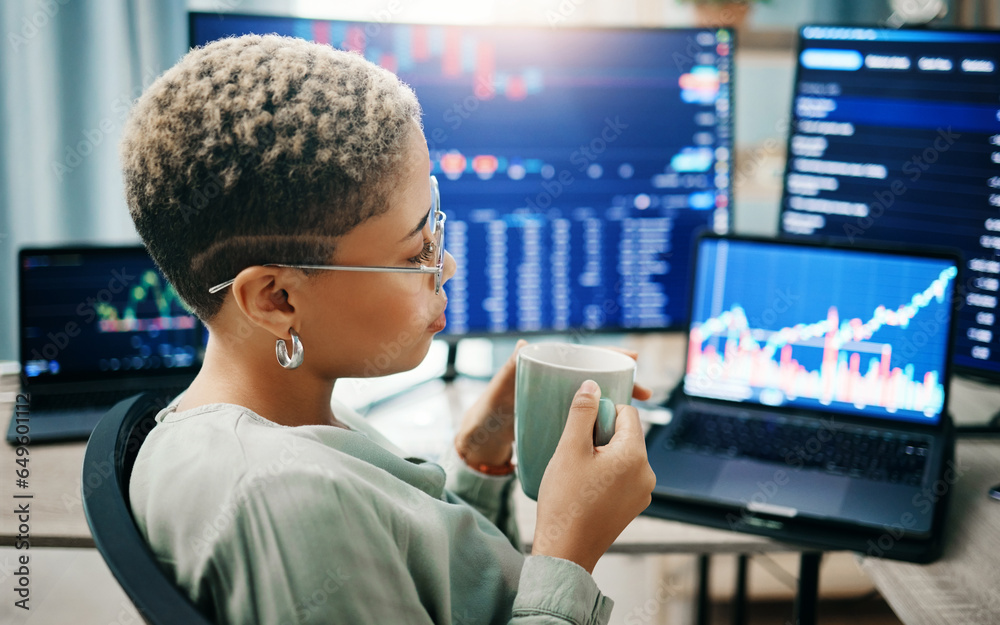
[604, 428]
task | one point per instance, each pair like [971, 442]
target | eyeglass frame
[437, 219]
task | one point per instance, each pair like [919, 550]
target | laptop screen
[823, 328]
[102, 313]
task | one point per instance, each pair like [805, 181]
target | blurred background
[70, 69]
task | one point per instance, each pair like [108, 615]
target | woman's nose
[450, 266]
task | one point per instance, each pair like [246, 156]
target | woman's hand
[486, 434]
[588, 494]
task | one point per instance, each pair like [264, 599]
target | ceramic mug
[548, 377]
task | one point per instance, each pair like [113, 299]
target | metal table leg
[740, 594]
[806, 598]
[701, 606]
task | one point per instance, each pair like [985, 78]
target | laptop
[97, 325]
[813, 408]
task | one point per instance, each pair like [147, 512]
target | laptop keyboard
[851, 451]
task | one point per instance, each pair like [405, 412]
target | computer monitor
[574, 164]
[895, 136]
[845, 329]
[102, 313]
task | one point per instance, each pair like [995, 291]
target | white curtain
[69, 70]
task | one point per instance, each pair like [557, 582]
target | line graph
[839, 359]
[164, 298]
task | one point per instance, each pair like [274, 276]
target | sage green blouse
[269, 524]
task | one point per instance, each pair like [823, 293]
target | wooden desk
[961, 587]
[56, 473]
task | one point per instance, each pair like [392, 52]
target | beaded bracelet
[489, 469]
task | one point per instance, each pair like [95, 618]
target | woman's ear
[267, 296]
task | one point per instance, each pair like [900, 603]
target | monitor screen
[895, 136]
[821, 328]
[574, 164]
[90, 313]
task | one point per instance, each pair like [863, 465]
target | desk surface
[961, 587]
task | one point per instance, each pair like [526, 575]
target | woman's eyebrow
[420, 226]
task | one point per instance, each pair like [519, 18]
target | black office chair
[107, 466]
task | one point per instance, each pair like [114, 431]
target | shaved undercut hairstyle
[260, 149]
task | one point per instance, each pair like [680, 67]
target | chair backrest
[107, 467]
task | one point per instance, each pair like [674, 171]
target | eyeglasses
[435, 218]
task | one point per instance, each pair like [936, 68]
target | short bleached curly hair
[259, 149]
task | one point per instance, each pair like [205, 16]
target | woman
[282, 187]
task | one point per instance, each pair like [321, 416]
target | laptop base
[806, 532]
[51, 427]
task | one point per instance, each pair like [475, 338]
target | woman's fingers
[641, 392]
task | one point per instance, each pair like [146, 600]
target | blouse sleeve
[489, 494]
[312, 550]
[298, 553]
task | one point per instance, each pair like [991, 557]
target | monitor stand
[450, 371]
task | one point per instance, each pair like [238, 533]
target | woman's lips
[438, 324]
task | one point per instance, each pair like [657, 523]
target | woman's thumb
[579, 429]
